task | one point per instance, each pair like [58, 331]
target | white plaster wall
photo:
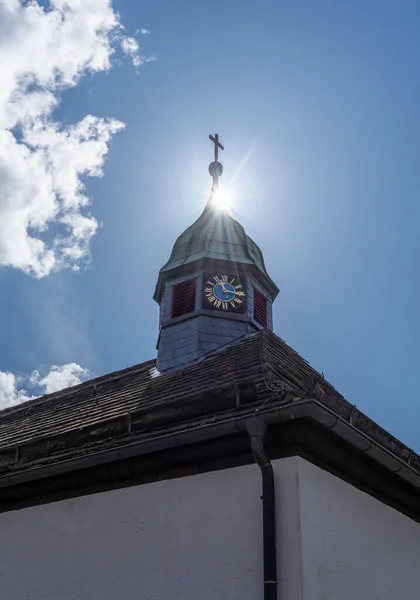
[352, 545]
[198, 537]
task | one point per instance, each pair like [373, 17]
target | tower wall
[181, 344]
[186, 339]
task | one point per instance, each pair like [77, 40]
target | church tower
[214, 289]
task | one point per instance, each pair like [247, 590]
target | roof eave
[299, 409]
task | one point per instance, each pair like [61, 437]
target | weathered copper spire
[215, 236]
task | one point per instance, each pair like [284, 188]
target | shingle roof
[260, 368]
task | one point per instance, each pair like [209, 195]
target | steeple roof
[216, 235]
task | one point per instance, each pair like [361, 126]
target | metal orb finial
[215, 169]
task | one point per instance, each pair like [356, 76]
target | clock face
[224, 292]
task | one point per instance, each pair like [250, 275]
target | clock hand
[233, 291]
[225, 291]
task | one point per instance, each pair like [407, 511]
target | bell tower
[214, 289]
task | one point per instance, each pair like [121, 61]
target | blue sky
[317, 104]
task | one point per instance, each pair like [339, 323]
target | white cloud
[14, 390]
[44, 221]
[59, 378]
[131, 47]
[9, 392]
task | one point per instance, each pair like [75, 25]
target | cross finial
[216, 168]
[217, 145]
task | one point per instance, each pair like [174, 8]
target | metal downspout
[256, 430]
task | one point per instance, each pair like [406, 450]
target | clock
[224, 292]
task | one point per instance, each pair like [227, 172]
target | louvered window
[183, 298]
[260, 308]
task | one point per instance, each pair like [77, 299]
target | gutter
[256, 429]
[300, 409]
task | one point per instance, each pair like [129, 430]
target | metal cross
[217, 145]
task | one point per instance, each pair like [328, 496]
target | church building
[224, 468]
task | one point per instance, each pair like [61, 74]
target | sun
[222, 199]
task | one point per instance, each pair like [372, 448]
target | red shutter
[183, 297]
[260, 308]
